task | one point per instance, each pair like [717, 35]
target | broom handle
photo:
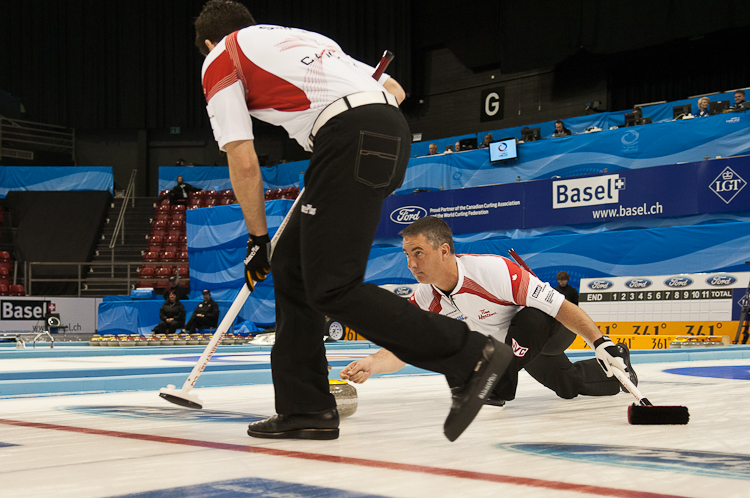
[625, 381]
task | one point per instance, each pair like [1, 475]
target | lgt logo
[727, 185]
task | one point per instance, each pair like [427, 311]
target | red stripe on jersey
[219, 75]
[471, 287]
[435, 305]
[268, 90]
[519, 279]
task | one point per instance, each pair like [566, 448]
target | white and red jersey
[283, 76]
[490, 291]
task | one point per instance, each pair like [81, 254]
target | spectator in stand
[487, 141]
[176, 287]
[703, 111]
[179, 193]
[172, 316]
[206, 315]
[739, 101]
[180, 162]
[433, 149]
[561, 130]
[457, 146]
[563, 288]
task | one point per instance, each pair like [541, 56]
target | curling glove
[257, 264]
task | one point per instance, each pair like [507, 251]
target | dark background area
[123, 74]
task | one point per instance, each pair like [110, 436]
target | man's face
[703, 104]
[433, 148]
[206, 296]
[562, 283]
[738, 97]
[179, 179]
[426, 263]
[558, 127]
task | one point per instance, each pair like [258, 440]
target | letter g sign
[493, 100]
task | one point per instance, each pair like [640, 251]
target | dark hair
[436, 231]
[740, 92]
[218, 19]
[563, 275]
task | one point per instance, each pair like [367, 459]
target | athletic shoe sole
[316, 434]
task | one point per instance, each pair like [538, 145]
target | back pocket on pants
[377, 156]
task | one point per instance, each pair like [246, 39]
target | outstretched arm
[378, 363]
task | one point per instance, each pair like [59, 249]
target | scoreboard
[694, 298]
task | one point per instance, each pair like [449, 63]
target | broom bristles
[658, 415]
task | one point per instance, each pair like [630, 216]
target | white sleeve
[542, 296]
[228, 114]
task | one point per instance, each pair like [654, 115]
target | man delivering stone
[496, 297]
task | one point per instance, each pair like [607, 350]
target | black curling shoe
[321, 425]
[469, 398]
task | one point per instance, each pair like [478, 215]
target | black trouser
[319, 264]
[545, 360]
[165, 327]
[200, 322]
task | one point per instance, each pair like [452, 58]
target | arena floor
[64, 435]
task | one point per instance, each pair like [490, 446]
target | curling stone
[154, 340]
[346, 397]
[95, 340]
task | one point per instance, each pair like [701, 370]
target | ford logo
[638, 283]
[600, 284]
[720, 280]
[408, 214]
[678, 282]
[402, 291]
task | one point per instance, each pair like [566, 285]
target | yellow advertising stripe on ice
[668, 328]
[643, 341]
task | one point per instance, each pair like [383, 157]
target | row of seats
[157, 276]
[282, 193]
[165, 257]
[11, 290]
[4, 257]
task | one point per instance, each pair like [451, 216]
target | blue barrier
[625, 148]
[54, 178]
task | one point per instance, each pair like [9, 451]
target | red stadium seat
[211, 201]
[5, 281]
[171, 243]
[226, 194]
[163, 192]
[157, 248]
[195, 203]
[151, 257]
[164, 207]
[176, 224]
[159, 225]
[167, 256]
[179, 208]
[4, 271]
[4, 290]
[16, 290]
[225, 201]
[176, 232]
[162, 216]
[146, 271]
[4, 257]
[183, 271]
[155, 239]
[183, 239]
[179, 217]
[182, 256]
[210, 194]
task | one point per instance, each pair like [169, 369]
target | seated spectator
[457, 147]
[172, 316]
[703, 110]
[563, 288]
[179, 193]
[561, 130]
[486, 142]
[433, 149]
[739, 101]
[639, 119]
[206, 315]
[176, 287]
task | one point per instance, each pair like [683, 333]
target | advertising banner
[665, 191]
[77, 314]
